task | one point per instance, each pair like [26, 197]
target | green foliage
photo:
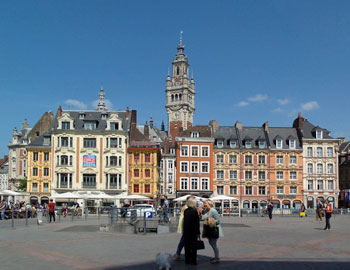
[22, 185]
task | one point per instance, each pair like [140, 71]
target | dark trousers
[328, 223]
[52, 216]
[270, 214]
[181, 245]
[190, 254]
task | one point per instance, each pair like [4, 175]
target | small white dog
[164, 260]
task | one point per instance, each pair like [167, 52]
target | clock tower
[180, 92]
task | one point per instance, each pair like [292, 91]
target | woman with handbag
[191, 231]
[212, 228]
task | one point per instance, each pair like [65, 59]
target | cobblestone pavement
[249, 243]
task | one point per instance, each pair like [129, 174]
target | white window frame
[193, 146]
[245, 175]
[319, 134]
[278, 159]
[197, 180]
[208, 183]
[293, 159]
[330, 153]
[319, 168]
[248, 144]
[203, 147]
[280, 190]
[233, 188]
[223, 159]
[279, 175]
[221, 188]
[184, 162]
[194, 163]
[251, 190]
[319, 154]
[235, 174]
[330, 181]
[310, 168]
[328, 166]
[207, 167]
[220, 143]
[293, 190]
[184, 146]
[261, 144]
[279, 143]
[223, 174]
[318, 185]
[183, 180]
[229, 159]
[295, 175]
[308, 184]
[233, 144]
[292, 144]
[310, 152]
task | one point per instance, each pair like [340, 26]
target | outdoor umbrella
[67, 195]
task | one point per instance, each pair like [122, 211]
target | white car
[141, 209]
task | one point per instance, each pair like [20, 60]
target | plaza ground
[249, 243]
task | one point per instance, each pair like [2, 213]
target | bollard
[26, 217]
[47, 215]
[144, 223]
[98, 213]
[13, 219]
[86, 213]
[72, 211]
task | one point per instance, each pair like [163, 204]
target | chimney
[214, 125]
[151, 122]
[25, 124]
[239, 125]
[146, 130]
[162, 127]
[127, 112]
[59, 111]
[133, 118]
[300, 121]
[266, 126]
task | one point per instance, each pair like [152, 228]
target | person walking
[319, 207]
[52, 210]
[302, 211]
[270, 209]
[212, 213]
[328, 213]
[3, 206]
[191, 231]
[166, 209]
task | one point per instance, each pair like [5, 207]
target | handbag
[200, 244]
[210, 232]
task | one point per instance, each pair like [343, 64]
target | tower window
[177, 71]
[180, 96]
[172, 98]
[176, 97]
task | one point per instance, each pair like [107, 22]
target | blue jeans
[2, 215]
[181, 245]
[165, 213]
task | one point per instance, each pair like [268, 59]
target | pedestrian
[328, 213]
[181, 230]
[124, 211]
[319, 208]
[191, 232]
[52, 210]
[166, 209]
[213, 214]
[270, 209]
[3, 206]
[302, 211]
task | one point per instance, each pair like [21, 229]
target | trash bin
[39, 216]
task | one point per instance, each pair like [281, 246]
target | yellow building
[39, 169]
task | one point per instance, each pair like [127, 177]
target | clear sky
[253, 61]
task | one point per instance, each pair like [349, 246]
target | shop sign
[89, 160]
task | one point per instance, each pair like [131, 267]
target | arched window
[180, 97]
[177, 71]
[172, 98]
[176, 97]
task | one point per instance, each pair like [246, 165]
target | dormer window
[65, 125]
[172, 151]
[233, 144]
[194, 134]
[248, 144]
[279, 143]
[261, 143]
[104, 116]
[319, 134]
[90, 125]
[114, 125]
[292, 144]
[81, 115]
[220, 143]
[47, 140]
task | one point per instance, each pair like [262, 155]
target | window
[329, 151]
[47, 140]
[147, 188]
[233, 159]
[104, 116]
[113, 142]
[120, 142]
[319, 152]
[262, 190]
[46, 187]
[46, 171]
[184, 151]
[147, 157]
[248, 159]
[89, 180]
[136, 157]
[261, 159]
[248, 175]
[220, 143]
[292, 144]
[64, 160]
[64, 141]
[293, 190]
[170, 177]
[319, 168]
[310, 168]
[113, 161]
[319, 134]
[147, 173]
[279, 143]
[293, 175]
[194, 151]
[248, 190]
[63, 180]
[81, 116]
[248, 144]
[194, 134]
[220, 190]
[46, 156]
[310, 185]
[136, 188]
[65, 125]
[120, 161]
[330, 168]
[205, 184]
[184, 167]
[136, 173]
[330, 184]
[261, 143]
[205, 151]
[280, 175]
[279, 160]
[183, 182]
[89, 143]
[114, 126]
[309, 151]
[262, 175]
[205, 167]
[194, 183]
[35, 156]
[220, 174]
[293, 159]
[70, 160]
[320, 184]
[233, 190]
[113, 181]
[90, 125]
[233, 174]
[233, 144]
[219, 159]
[35, 187]
[170, 164]
[279, 189]
[35, 171]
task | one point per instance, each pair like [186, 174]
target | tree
[22, 184]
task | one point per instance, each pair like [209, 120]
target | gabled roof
[344, 147]
[204, 131]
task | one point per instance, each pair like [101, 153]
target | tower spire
[101, 106]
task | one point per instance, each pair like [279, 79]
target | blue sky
[253, 61]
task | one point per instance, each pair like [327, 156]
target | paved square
[249, 243]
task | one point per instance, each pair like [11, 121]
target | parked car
[140, 210]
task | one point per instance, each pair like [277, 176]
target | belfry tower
[180, 92]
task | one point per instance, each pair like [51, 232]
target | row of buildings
[106, 151]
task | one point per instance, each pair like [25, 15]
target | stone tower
[180, 92]
[101, 106]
